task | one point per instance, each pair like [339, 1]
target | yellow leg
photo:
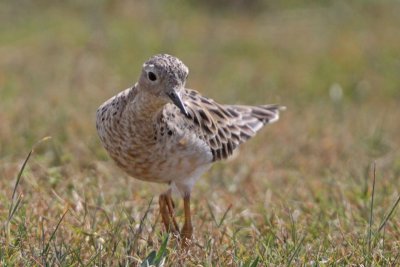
[187, 229]
[167, 212]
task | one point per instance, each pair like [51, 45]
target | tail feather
[255, 117]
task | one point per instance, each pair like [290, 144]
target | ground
[299, 193]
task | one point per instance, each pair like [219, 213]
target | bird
[162, 132]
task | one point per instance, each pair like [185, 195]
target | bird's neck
[145, 105]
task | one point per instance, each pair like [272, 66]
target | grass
[318, 188]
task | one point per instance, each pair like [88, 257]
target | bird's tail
[255, 117]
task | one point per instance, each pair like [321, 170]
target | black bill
[177, 100]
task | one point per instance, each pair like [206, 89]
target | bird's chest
[177, 154]
[160, 153]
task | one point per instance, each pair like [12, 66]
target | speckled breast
[156, 153]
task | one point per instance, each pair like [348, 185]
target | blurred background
[59, 60]
[334, 64]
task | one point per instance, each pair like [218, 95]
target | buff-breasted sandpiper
[159, 131]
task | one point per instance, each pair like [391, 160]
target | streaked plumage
[159, 131]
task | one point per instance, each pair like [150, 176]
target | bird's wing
[224, 127]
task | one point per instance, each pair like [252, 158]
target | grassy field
[300, 193]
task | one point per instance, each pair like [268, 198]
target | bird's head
[164, 76]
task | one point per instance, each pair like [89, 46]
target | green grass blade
[15, 208]
[162, 251]
[371, 213]
[155, 258]
[15, 202]
[224, 216]
[10, 211]
[387, 217]
[142, 220]
[149, 259]
[296, 251]
[46, 250]
[212, 213]
[255, 262]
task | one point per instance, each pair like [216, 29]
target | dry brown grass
[299, 193]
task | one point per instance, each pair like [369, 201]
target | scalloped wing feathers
[225, 127]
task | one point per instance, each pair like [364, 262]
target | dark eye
[152, 76]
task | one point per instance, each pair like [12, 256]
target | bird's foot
[186, 235]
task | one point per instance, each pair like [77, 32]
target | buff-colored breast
[157, 148]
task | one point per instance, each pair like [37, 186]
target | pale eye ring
[152, 76]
